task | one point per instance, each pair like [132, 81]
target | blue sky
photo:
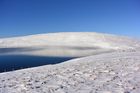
[24, 17]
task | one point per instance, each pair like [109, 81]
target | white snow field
[69, 44]
[117, 71]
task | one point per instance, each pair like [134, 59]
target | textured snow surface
[117, 72]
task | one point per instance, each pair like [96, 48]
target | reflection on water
[69, 51]
[16, 58]
[25, 49]
[14, 62]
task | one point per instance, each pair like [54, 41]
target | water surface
[15, 62]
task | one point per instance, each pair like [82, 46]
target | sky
[25, 17]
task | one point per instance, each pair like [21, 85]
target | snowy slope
[117, 72]
[66, 44]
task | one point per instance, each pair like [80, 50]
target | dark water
[15, 62]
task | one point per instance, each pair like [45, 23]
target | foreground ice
[117, 72]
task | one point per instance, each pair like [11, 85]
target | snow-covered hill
[66, 44]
